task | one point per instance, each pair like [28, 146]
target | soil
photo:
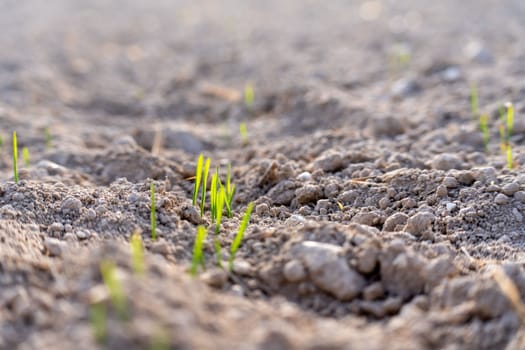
[380, 220]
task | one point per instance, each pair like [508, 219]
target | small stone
[160, 247]
[71, 204]
[394, 221]
[477, 52]
[510, 189]
[451, 206]
[450, 182]
[451, 74]
[54, 246]
[374, 291]
[485, 175]
[367, 259]
[81, 234]
[237, 290]
[56, 227]
[191, 214]
[408, 203]
[308, 194]
[329, 270]
[520, 196]
[405, 87]
[91, 214]
[501, 199]
[294, 271]
[295, 220]
[441, 191]
[262, 209]
[215, 277]
[304, 176]
[242, 267]
[517, 214]
[384, 203]
[446, 161]
[18, 197]
[420, 223]
[329, 162]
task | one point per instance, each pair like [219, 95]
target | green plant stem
[15, 157]
[153, 215]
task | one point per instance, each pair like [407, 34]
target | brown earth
[380, 220]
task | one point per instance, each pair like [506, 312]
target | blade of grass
[510, 120]
[510, 163]
[230, 192]
[25, 156]
[97, 317]
[198, 177]
[15, 157]
[204, 184]
[153, 214]
[483, 124]
[249, 96]
[213, 195]
[198, 256]
[137, 254]
[240, 234]
[220, 206]
[116, 292]
[47, 133]
[243, 129]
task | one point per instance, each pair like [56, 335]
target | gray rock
[262, 209]
[451, 74]
[501, 199]
[395, 221]
[329, 162]
[308, 194]
[242, 267]
[71, 204]
[420, 223]
[477, 52]
[450, 182]
[215, 277]
[54, 246]
[329, 270]
[520, 196]
[304, 176]
[446, 161]
[405, 87]
[191, 214]
[294, 271]
[510, 189]
[485, 175]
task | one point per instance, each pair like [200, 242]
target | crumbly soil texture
[382, 218]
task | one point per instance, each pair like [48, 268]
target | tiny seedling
[243, 129]
[483, 125]
[204, 184]
[160, 341]
[198, 256]
[474, 101]
[2, 142]
[198, 178]
[15, 157]
[47, 133]
[240, 234]
[510, 120]
[115, 289]
[137, 254]
[153, 214]
[219, 208]
[249, 95]
[25, 156]
[97, 316]
[510, 163]
[503, 136]
[230, 192]
[214, 194]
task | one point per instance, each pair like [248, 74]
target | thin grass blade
[204, 184]
[240, 234]
[198, 177]
[198, 256]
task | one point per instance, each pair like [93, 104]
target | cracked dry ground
[380, 220]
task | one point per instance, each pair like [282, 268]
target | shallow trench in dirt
[381, 218]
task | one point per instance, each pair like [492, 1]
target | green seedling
[249, 96]
[137, 254]
[115, 289]
[47, 133]
[153, 214]
[510, 120]
[244, 133]
[221, 196]
[15, 157]
[510, 162]
[399, 59]
[198, 178]
[483, 125]
[474, 101]
[2, 142]
[198, 256]
[25, 156]
[503, 137]
[204, 183]
[230, 192]
[160, 341]
[214, 194]
[97, 317]
[240, 234]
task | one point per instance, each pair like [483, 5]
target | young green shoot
[230, 192]
[160, 341]
[97, 317]
[510, 120]
[137, 254]
[249, 96]
[474, 101]
[214, 194]
[221, 197]
[204, 184]
[198, 178]
[483, 125]
[198, 256]
[510, 162]
[153, 214]
[15, 157]
[243, 129]
[114, 287]
[25, 156]
[2, 142]
[503, 137]
[240, 234]
[47, 133]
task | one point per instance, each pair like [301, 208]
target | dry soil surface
[381, 221]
